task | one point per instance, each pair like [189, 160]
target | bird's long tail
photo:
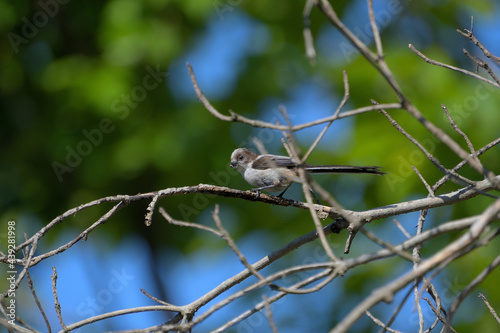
[343, 169]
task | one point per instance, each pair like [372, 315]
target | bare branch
[439, 316]
[56, 300]
[380, 323]
[150, 210]
[457, 69]
[157, 300]
[270, 300]
[470, 35]
[225, 235]
[37, 301]
[258, 123]
[400, 227]
[81, 236]
[429, 156]
[483, 64]
[457, 167]
[473, 284]
[308, 38]
[492, 311]
[388, 246]
[121, 313]
[459, 131]
[341, 106]
[376, 34]
[427, 186]
[377, 62]
[173, 221]
[269, 315]
[453, 250]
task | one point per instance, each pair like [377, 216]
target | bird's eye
[240, 157]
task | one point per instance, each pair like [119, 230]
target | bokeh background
[95, 100]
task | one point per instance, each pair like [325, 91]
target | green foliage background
[69, 76]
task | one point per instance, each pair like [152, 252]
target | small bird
[274, 173]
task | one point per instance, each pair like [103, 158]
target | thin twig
[319, 228]
[341, 105]
[260, 146]
[388, 246]
[459, 131]
[117, 313]
[457, 69]
[82, 235]
[377, 62]
[225, 235]
[157, 300]
[473, 284]
[150, 210]
[57, 306]
[173, 221]
[470, 35]
[400, 227]
[439, 316]
[306, 187]
[483, 64]
[333, 274]
[380, 323]
[270, 300]
[492, 311]
[234, 117]
[397, 310]
[376, 34]
[269, 314]
[308, 38]
[429, 156]
[416, 250]
[426, 184]
[457, 167]
[289, 134]
[37, 301]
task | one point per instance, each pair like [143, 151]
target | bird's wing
[273, 161]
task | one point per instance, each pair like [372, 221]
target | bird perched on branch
[274, 173]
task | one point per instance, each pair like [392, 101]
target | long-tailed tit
[275, 173]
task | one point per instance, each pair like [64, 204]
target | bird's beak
[233, 164]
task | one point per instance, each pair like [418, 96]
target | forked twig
[456, 69]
